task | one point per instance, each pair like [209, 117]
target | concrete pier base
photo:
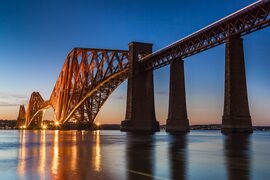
[236, 115]
[140, 109]
[177, 121]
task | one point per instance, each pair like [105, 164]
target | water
[115, 155]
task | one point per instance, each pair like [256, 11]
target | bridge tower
[177, 121]
[34, 105]
[140, 108]
[236, 116]
[21, 116]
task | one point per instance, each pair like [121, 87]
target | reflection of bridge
[89, 76]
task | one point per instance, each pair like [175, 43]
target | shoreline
[11, 125]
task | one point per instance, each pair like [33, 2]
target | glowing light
[44, 127]
[57, 123]
[98, 123]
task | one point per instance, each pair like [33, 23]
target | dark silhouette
[177, 156]
[238, 156]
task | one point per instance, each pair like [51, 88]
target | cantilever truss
[33, 116]
[86, 80]
[247, 20]
[21, 116]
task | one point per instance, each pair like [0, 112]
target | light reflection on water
[55, 159]
[116, 155]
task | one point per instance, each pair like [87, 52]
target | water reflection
[22, 154]
[238, 156]
[59, 155]
[139, 156]
[55, 159]
[42, 154]
[178, 156]
[115, 155]
[97, 155]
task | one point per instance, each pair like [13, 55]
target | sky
[36, 36]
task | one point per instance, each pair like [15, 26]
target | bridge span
[90, 75]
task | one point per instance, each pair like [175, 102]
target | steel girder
[87, 108]
[249, 19]
[85, 82]
[21, 116]
[94, 71]
[33, 114]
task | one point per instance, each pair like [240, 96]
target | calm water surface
[115, 155]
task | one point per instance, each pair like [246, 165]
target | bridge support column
[140, 108]
[177, 121]
[236, 116]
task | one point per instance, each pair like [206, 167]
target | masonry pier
[140, 108]
[177, 121]
[236, 116]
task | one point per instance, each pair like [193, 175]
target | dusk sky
[36, 36]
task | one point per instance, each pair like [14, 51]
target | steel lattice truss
[21, 116]
[254, 17]
[33, 116]
[86, 80]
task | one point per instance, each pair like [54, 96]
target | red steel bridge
[89, 76]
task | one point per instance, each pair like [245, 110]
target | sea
[115, 155]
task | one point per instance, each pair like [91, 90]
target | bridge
[89, 76]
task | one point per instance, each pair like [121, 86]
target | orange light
[24, 126]
[44, 127]
[98, 124]
[57, 123]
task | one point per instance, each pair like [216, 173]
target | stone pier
[140, 108]
[236, 116]
[177, 121]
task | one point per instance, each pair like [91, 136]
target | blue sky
[36, 36]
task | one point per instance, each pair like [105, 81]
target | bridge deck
[249, 19]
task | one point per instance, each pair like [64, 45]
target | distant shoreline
[11, 125]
